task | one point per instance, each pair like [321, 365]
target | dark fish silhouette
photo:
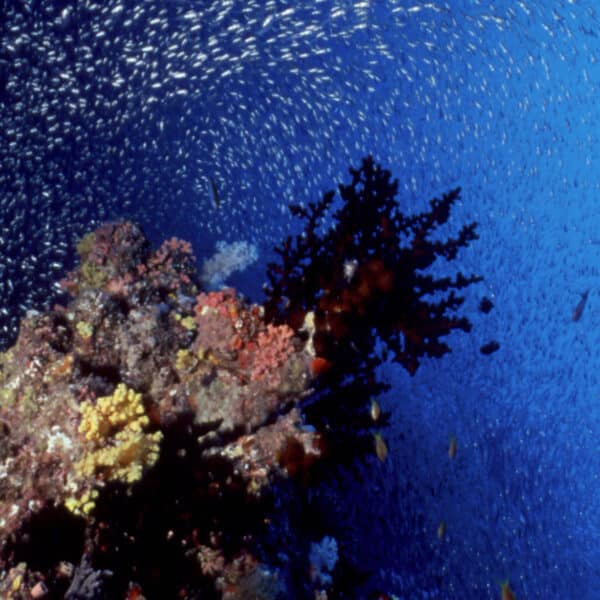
[490, 347]
[580, 306]
[486, 305]
[214, 193]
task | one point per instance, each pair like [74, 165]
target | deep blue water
[127, 109]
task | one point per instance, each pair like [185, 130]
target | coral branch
[362, 277]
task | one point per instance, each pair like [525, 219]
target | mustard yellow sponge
[118, 446]
[86, 244]
[185, 361]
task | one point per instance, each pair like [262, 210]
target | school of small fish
[205, 116]
[205, 120]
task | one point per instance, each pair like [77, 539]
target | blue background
[127, 109]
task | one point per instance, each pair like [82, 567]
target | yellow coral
[84, 329]
[185, 361]
[118, 446]
[189, 323]
[92, 275]
[83, 505]
[85, 244]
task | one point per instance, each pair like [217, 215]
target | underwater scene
[297, 299]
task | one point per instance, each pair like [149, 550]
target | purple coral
[87, 582]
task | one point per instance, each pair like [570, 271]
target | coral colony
[362, 280]
[154, 434]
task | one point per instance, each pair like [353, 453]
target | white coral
[228, 258]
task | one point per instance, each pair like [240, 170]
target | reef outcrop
[153, 434]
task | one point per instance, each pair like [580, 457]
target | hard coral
[110, 252]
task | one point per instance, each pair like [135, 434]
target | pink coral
[274, 348]
[172, 264]
[261, 351]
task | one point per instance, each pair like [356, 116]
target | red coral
[364, 277]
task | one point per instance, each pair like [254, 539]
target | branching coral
[364, 274]
[360, 279]
[227, 259]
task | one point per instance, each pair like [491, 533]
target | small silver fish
[375, 410]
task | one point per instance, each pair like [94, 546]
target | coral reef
[168, 436]
[141, 378]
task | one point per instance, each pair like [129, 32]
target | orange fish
[381, 448]
[580, 306]
[441, 530]
[452, 448]
[507, 593]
